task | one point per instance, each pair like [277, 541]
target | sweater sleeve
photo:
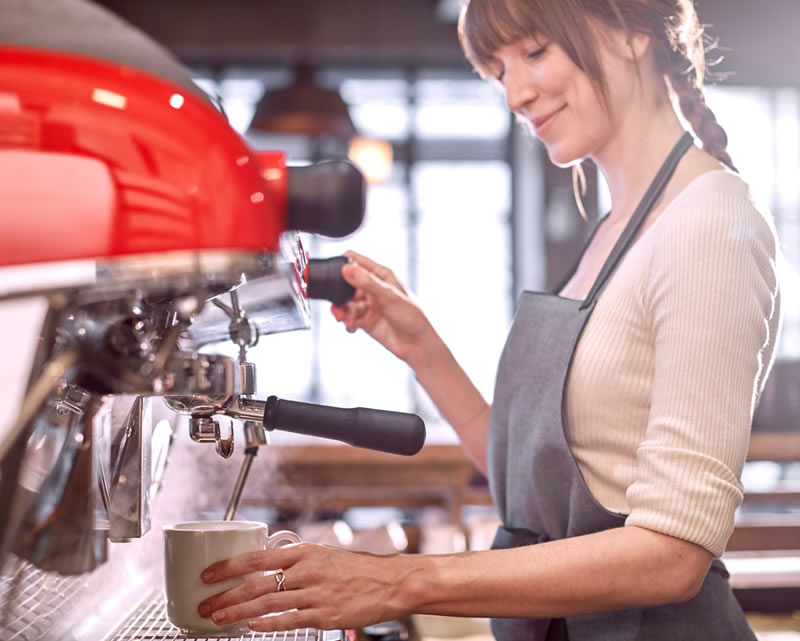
[710, 296]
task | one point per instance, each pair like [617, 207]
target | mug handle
[276, 538]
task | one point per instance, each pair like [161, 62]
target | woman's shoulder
[715, 238]
[719, 181]
[718, 202]
[722, 181]
[700, 179]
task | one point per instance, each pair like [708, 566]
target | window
[763, 127]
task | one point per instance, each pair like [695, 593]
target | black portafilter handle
[324, 280]
[382, 430]
[327, 198]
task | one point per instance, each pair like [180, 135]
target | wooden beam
[774, 446]
[784, 536]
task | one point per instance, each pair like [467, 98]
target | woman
[622, 406]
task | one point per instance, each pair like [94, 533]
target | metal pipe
[233, 504]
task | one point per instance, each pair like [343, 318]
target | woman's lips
[542, 123]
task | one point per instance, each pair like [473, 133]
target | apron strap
[556, 291]
[639, 216]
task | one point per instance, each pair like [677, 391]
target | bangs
[486, 25]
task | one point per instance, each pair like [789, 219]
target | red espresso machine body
[101, 160]
[139, 232]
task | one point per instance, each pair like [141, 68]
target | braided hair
[682, 59]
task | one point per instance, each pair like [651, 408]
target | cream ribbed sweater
[661, 392]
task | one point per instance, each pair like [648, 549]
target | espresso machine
[139, 232]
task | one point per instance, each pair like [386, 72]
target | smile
[541, 124]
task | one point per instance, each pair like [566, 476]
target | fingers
[362, 279]
[376, 268]
[380, 272]
[352, 316]
[266, 603]
[260, 561]
[247, 591]
[235, 566]
[314, 595]
[255, 597]
[354, 312]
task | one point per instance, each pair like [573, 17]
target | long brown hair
[679, 44]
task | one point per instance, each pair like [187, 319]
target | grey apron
[537, 486]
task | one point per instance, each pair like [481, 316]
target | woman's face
[558, 101]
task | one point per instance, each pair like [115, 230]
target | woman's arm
[330, 588]
[385, 309]
[618, 568]
[455, 395]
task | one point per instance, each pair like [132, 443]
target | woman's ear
[636, 45]
[628, 45]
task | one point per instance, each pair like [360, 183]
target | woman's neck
[632, 157]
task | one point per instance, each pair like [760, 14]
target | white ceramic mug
[189, 548]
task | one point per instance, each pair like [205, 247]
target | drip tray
[149, 622]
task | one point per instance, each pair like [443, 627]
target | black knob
[324, 280]
[326, 198]
[382, 430]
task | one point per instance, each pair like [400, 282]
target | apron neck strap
[639, 216]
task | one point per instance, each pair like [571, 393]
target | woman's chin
[562, 156]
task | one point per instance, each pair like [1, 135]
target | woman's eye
[537, 53]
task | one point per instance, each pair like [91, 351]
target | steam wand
[381, 430]
[244, 335]
[255, 436]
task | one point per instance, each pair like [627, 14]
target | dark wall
[349, 31]
[761, 37]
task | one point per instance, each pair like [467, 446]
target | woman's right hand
[384, 308]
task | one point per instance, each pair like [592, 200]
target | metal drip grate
[150, 622]
[33, 601]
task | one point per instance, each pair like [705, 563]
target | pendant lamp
[304, 109]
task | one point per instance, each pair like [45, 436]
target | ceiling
[762, 38]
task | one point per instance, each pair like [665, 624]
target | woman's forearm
[455, 395]
[618, 568]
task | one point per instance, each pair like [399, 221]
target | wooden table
[303, 478]
[334, 478]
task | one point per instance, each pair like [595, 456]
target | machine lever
[324, 280]
[382, 430]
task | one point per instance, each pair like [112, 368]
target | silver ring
[280, 577]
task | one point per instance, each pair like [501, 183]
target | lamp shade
[303, 108]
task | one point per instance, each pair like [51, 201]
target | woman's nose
[519, 88]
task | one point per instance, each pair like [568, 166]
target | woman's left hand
[323, 587]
